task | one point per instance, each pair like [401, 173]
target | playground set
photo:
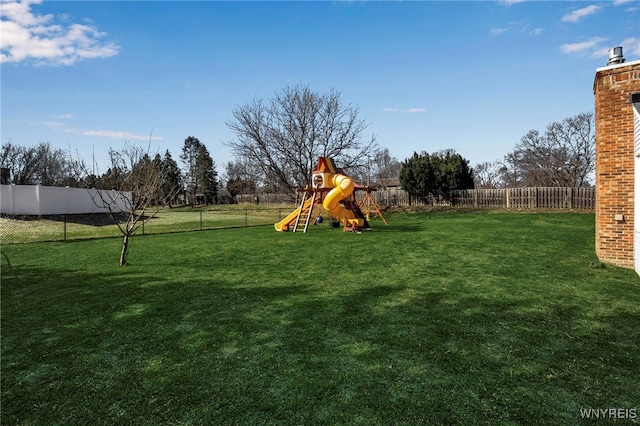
[336, 193]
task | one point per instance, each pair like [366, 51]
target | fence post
[570, 198]
[65, 227]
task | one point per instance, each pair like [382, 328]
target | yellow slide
[284, 224]
[343, 188]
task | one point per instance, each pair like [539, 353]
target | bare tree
[23, 163]
[510, 175]
[385, 168]
[285, 135]
[487, 175]
[137, 183]
[574, 138]
[241, 177]
[40, 164]
[564, 155]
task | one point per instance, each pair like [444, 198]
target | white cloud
[52, 124]
[595, 48]
[510, 2]
[28, 36]
[601, 52]
[633, 5]
[582, 47]
[20, 13]
[518, 26]
[578, 14]
[410, 110]
[631, 47]
[113, 134]
[498, 31]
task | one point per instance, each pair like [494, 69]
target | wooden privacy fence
[526, 198]
[510, 198]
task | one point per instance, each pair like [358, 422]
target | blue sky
[472, 76]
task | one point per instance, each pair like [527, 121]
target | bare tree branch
[137, 191]
[564, 155]
[286, 135]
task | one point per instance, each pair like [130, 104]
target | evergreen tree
[435, 175]
[188, 157]
[200, 174]
[172, 182]
[207, 176]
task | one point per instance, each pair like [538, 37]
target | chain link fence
[16, 229]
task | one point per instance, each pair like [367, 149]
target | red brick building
[617, 115]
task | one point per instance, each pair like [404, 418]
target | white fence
[40, 200]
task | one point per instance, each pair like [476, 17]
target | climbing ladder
[305, 212]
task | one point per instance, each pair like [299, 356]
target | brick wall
[614, 115]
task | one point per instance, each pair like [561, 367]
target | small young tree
[137, 184]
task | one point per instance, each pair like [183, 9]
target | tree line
[129, 168]
[278, 141]
[561, 156]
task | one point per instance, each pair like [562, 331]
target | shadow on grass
[80, 347]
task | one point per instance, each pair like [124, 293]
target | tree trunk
[125, 249]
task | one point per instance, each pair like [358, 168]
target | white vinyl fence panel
[41, 200]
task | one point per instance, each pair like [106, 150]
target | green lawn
[440, 318]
